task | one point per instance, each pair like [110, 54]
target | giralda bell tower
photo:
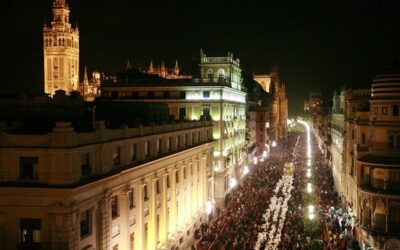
[61, 51]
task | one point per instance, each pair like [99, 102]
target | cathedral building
[61, 51]
[166, 72]
[278, 108]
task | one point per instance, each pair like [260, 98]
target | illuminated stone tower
[61, 51]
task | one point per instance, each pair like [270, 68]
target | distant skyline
[318, 45]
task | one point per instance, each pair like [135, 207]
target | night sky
[318, 45]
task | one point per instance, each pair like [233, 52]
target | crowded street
[279, 205]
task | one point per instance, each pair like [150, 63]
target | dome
[386, 85]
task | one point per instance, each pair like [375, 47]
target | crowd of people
[240, 221]
[237, 225]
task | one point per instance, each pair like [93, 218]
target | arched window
[391, 142]
[55, 42]
[59, 42]
[395, 110]
[63, 42]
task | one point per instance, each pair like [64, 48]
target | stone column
[193, 190]
[181, 198]
[164, 212]
[139, 215]
[152, 221]
[172, 222]
[188, 199]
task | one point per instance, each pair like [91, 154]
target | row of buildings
[359, 134]
[135, 161]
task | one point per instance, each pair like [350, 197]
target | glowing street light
[232, 182]
[273, 144]
[209, 207]
[255, 161]
[309, 162]
[245, 170]
[265, 153]
[309, 187]
[308, 174]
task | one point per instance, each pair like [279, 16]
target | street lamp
[209, 207]
[273, 144]
[245, 170]
[232, 182]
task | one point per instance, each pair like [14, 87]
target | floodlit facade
[337, 136]
[375, 163]
[129, 188]
[215, 92]
[61, 51]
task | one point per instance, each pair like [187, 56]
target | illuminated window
[86, 223]
[28, 167]
[30, 231]
[114, 207]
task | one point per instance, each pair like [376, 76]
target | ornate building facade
[130, 188]
[373, 164]
[214, 92]
[61, 51]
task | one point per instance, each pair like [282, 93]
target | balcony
[380, 186]
[380, 226]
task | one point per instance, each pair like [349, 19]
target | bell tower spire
[61, 51]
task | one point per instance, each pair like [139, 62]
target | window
[117, 156]
[166, 94]
[114, 207]
[182, 94]
[168, 181]
[86, 223]
[146, 192]
[168, 142]
[206, 113]
[131, 197]
[150, 94]
[146, 149]
[182, 113]
[206, 94]
[363, 138]
[184, 172]
[352, 134]
[176, 177]
[158, 145]
[384, 111]
[28, 167]
[376, 110]
[30, 231]
[85, 165]
[133, 152]
[395, 110]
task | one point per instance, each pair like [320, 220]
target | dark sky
[318, 45]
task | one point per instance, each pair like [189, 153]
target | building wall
[175, 182]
